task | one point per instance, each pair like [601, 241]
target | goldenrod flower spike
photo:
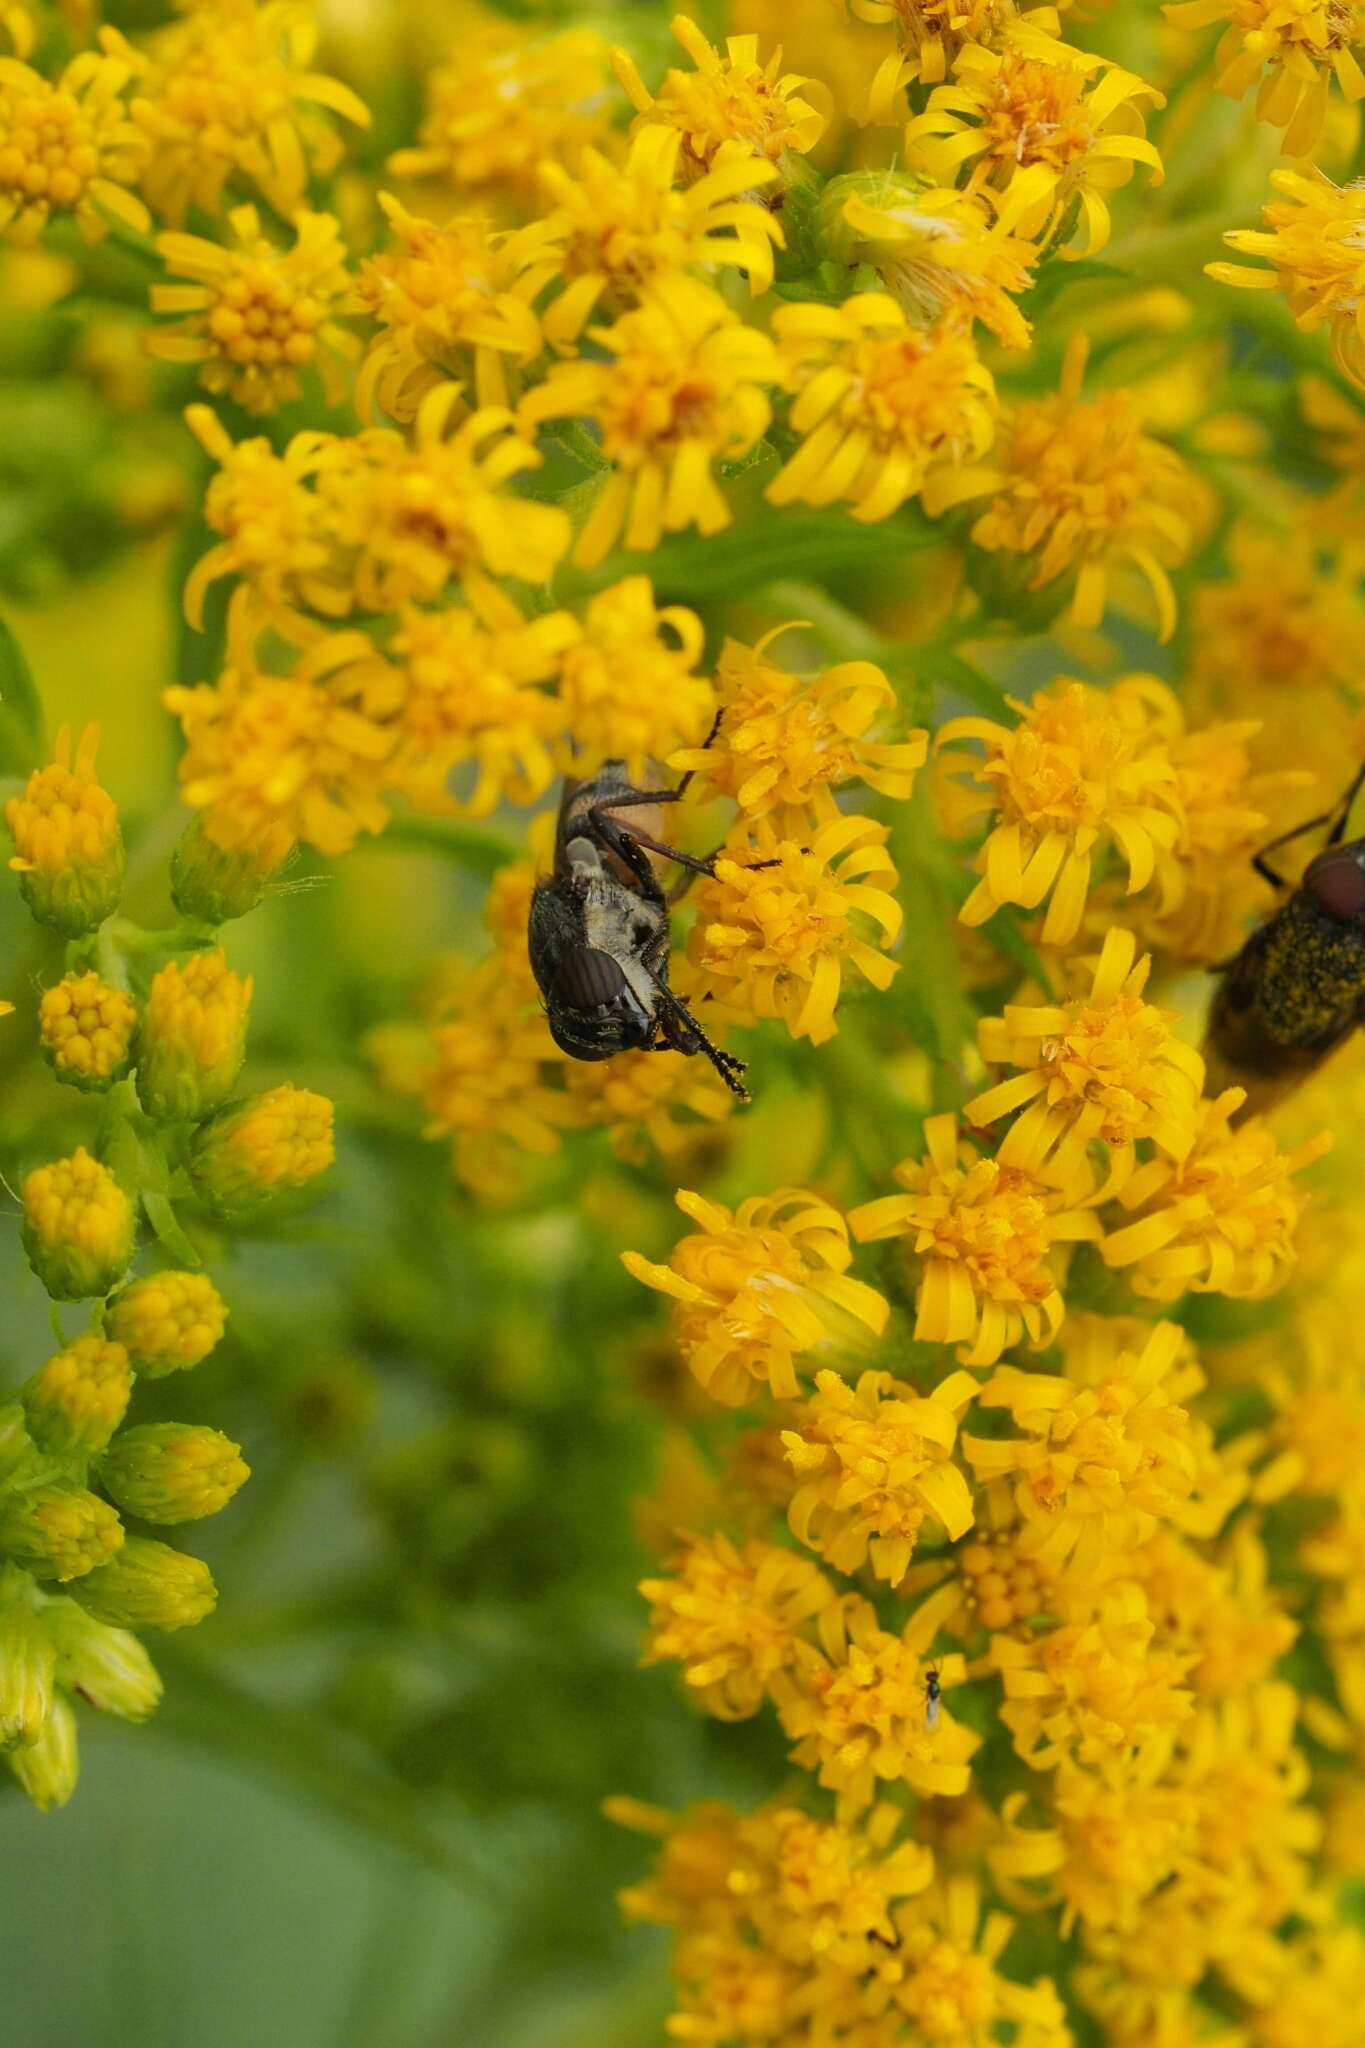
[68, 846]
[732, 1618]
[758, 1287]
[627, 685]
[726, 100]
[940, 253]
[1312, 240]
[988, 1243]
[69, 147]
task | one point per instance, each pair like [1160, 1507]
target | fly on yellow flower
[628, 687]
[1077, 485]
[256, 315]
[880, 405]
[987, 1240]
[1314, 241]
[727, 99]
[69, 148]
[758, 1286]
[684, 386]
[1050, 127]
[777, 923]
[1103, 1065]
[1294, 50]
[1082, 765]
[625, 226]
[787, 741]
[455, 301]
[226, 90]
[940, 253]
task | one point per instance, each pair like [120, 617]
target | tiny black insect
[932, 1696]
[599, 936]
[1297, 987]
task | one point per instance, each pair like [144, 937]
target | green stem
[846, 636]
[479, 847]
[576, 441]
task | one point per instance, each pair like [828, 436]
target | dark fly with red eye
[598, 936]
[1297, 988]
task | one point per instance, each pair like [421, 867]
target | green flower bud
[172, 1471]
[48, 1768]
[16, 1445]
[68, 848]
[254, 1150]
[149, 1585]
[77, 1228]
[28, 1662]
[193, 1037]
[57, 1531]
[214, 883]
[168, 1321]
[76, 1401]
[107, 1667]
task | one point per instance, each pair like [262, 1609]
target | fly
[598, 935]
[932, 1695]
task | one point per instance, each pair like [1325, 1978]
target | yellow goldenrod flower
[684, 386]
[406, 516]
[786, 741]
[48, 1768]
[58, 1531]
[77, 1226]
[107, 1667]
[172, 1471]
[940, 253]
[1103, 1065]
[511, 98]
[987, 1241]
[1088, 1688]
[254, 1150]
[212, 883]
[778, 924]
[271, 525]
[731, 1618]
[1317, 1434]
[86, 1028]
[1287, 618]
[623, 227]
[855, 1710]
[880, 405]
[1313, 241]
[167, 1322]
[1081, 765]
[257, 315]
[872, 1461]
[1319, 1994]
[272, 760]
[455, 301]
[1295, 51]
[68, 848]
[1077, 486]
[75, 1402]
[68, 148]
[756, 1287]
[226, 91]
[635, 1096]
[1220, 1221]
[627, 687]
[1004, 1586]
[28, 1662]
[460, 694]
[729, 99]
[193, 1037]
[1048, 125]
[149, 1585]
[1120, 1833]
[1105, 1448]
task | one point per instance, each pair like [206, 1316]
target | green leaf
[166, 1224]
[950, 671]
[1058, 276]
[21, 714]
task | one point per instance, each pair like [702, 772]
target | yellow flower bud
[78, 1226]
[75, 1402]
[28, 1662]
[87, 1029]
[48, 1768]
[212, 882]
[262, 1147]
[149, 1585]
[193, 1037]
[172, 1471]
[167, 1322]
[58, 1532]
[68, 848]
[108, 1667]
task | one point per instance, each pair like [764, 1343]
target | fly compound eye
[585, 979]
[1336, 882]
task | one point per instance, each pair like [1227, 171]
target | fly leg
[1336, 818]
[679, 1029]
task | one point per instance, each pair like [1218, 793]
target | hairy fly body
[599, 935]
[1297, 988]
